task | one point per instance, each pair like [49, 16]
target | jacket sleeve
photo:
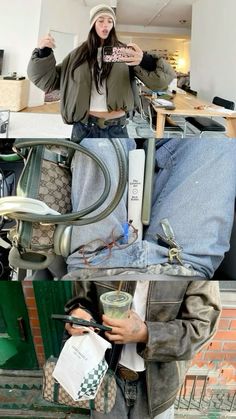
[194, 327]
[44, 72]
[148, 62]
[158, 79]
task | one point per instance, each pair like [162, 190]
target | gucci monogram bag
[54, 392]
[47, 178]
[42, 207]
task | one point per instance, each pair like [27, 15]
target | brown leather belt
[104, 123]
[127, 374]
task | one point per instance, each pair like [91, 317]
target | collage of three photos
[117, 210]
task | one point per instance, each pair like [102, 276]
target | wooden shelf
[170, 56]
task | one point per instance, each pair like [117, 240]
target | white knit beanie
[99, 10]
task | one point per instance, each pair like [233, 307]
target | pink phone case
[113, 54]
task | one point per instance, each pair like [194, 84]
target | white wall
[64, 42]
[186, 55]
[18, 37]
[213, 51]
[66, 16]
[26, 21]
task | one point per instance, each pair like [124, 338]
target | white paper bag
[81, 365]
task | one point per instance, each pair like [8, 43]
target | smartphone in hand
[115, 54]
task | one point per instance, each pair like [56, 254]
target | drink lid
[119, 298]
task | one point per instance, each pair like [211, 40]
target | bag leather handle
[79, 218]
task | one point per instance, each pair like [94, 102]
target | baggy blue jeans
[194, 189]
[81, 131]
[137, 392]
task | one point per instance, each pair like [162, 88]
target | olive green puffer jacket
[75, 92]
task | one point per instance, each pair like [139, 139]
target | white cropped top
[98, 101]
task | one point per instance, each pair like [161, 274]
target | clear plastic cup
[116, 304]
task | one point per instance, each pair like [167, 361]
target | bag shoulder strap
[80, 217]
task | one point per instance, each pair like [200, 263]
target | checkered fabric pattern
[55, 393]
[91, 381]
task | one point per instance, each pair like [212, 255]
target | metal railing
[203, 398]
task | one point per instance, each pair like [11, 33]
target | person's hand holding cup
[126, 325]
[116, 304]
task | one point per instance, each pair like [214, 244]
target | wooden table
[185, 106]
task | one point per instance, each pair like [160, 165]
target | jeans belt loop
[127, 374]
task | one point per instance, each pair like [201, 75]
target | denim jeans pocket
[165, 154]
[80, 131]
[118, 131]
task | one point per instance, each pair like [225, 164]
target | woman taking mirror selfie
[97, 96]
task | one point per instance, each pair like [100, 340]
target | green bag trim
[92, 404]
[33, 165]
[54, 157]
[56, 391]
[106, 395]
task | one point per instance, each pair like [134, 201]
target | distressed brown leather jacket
[181, 317]
[75, 91]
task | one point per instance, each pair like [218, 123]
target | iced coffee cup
[116, 304]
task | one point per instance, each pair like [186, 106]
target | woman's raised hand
[47, 41]
[134, 55]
